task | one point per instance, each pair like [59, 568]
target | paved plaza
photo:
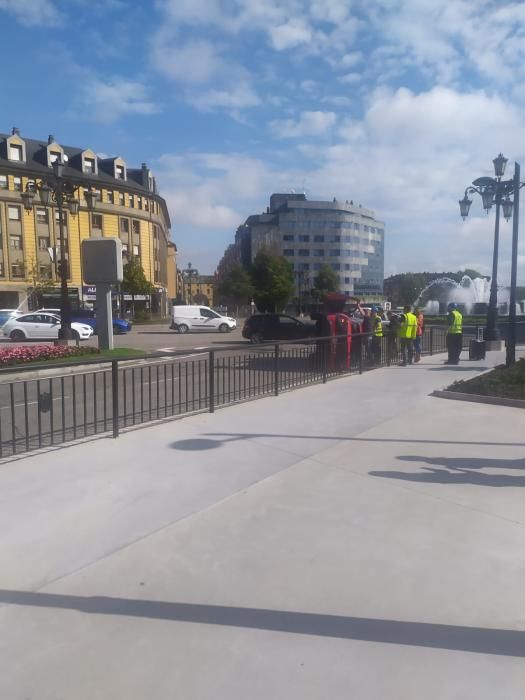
[359, 539]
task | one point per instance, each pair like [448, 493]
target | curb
[476, 398]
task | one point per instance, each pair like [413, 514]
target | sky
[394, 104]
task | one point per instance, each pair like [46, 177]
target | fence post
[276, 370]
[324, 359]
[211, 370]
[114, 396]
[431, 340]
[361, 351]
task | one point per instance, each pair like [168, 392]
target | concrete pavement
[360, 539]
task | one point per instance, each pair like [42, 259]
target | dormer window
[89, 165]
[120, 172]
[16, 152]
[54, 156]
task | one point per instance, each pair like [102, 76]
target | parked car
[261, 327]
[41, 326]
[200, 318]
[6, 314]
[88, 317]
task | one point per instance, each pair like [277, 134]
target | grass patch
[504, 382]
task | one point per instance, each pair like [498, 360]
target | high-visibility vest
[378, 327]
[457, 322]
[408, 328]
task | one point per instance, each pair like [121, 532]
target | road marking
[30, 403]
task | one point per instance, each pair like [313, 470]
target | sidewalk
[360, 539]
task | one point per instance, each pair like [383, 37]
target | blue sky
[396, 104]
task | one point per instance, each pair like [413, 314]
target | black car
[264, 327]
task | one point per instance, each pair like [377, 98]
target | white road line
[30, 403]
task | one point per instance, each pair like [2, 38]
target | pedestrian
[393, 332]
[454, 334]
[419, 333]
[366, 326]
[407, 335]
[377, 335]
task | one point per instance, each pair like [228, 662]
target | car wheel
[17, 335]
[256, 338]
[183, 328]
[224, 328]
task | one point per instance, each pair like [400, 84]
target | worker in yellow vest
[407, 334]
[454, 334]
[377, 335]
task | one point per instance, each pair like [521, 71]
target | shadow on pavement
[459, 470]
[220, 439]
[480, 640]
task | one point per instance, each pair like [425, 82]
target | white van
[200, 318]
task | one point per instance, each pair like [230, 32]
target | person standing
[454, 334]
[419, 333]
[407, 335]
[377, 335]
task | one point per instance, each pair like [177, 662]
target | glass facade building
[310, 234]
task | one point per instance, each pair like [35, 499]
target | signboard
[89, 293]
[102, 260]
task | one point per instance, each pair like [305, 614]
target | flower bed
[40, 353]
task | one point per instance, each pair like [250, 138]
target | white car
[200, 318]
[42, 326]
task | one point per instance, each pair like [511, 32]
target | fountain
[471, 295]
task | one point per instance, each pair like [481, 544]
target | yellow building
[128, 207]
[199, 289]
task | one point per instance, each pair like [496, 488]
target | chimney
[50, 139]
[15, 131]
[145, 176]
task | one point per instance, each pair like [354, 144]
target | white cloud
[308, 124]
[194, 62]
[290, 35]
[33, 13]
[350, 78]
[233, 98]
[108, 101]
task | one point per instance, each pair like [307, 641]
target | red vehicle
[336, 327]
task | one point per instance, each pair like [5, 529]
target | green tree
[134, 281]
[272, 279]
[326, 281]
[235, 288]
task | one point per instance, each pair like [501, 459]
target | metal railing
[106, 397]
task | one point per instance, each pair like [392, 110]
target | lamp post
[505, 195]
[188, 273]
[61, 191]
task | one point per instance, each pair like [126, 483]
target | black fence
[92, 398]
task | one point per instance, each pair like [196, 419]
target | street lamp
[60, 190]
[494, 190]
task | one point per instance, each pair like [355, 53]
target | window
[132, 201]
[335, 266]
[43, 243]
[335, 253]
[121, 199]
[13, 213]
[45, 272]
[17, 270]
[304, 267]
[3, 182]
[55, 156]
[318, 253]
[15, 242]
[304, 252]
[347, 280]
[111, 197]
[335, 239]
[124, 225]
[136, 251]
[304, 238]
[318, 239]
[139, 202]
[125, 249]
[64, 217]
[1, 269]
[135, 227]
[16, 152]
[96, 222]
[41, 215]
[289, 252]
[17, 184]
[146, 204]
[288, 237]
[89, 165]
[120, 172]
[357, 227]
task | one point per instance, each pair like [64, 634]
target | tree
[135, 281]
[272, 278]
[326, 281]
[235, 288]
